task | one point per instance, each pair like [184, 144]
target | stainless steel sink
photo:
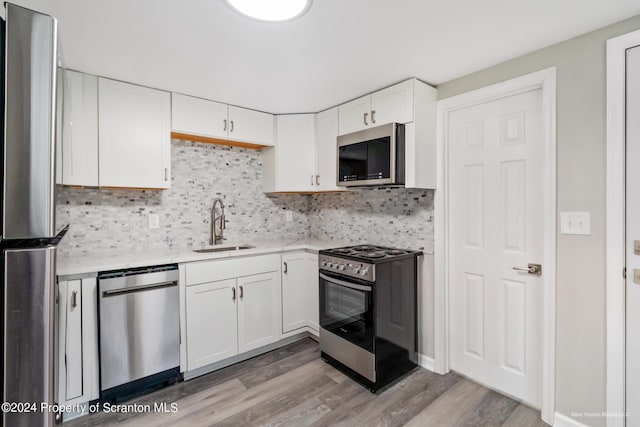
[223, 249]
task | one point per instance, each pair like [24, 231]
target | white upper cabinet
[209, 119]
[79, 154]
[289, 167]
[326, 151]
[392, 104]
[198, 116]
[250, 126]
[354, 115]
[135, 145]
[412, 103]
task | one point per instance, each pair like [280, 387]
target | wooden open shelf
[219, 141]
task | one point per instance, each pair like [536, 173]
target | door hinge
[624, 273]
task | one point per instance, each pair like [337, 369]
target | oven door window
[347, 313]
[365, 160]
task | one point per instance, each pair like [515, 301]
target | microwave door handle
[345, 284]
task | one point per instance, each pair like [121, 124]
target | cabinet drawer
[222, 269]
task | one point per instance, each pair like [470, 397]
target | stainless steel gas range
[368, 312]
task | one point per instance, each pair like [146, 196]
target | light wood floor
[292, 386]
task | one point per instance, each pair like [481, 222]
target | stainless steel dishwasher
[139, 330]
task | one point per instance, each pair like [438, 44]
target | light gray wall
[581, 126]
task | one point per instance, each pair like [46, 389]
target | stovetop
[370, 253]
[360, 261]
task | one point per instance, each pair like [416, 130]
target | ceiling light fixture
[271, 11]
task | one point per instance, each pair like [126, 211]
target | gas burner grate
[373, 255]
[366, 248]
[395, 252]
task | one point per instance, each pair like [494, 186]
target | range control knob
[364, 271]
[356, 270]
[335, 265]
[341, 266]
[324, 263]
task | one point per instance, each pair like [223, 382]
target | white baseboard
[426, 362]
[564, 421]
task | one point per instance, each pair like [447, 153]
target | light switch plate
[636, 247]
[154, 221]
[636, 276]
[288, 216]
[575, 223]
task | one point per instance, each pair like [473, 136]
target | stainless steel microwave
[372, 157]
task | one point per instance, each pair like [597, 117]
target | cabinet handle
[74, 299]
[373, 116]
[233, 293]
[286, 268]
[241, 292]
[231, 125]
[317, 179]
[225, 125]
[166, 174]
[366, 123]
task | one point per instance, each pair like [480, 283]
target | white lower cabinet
[77, 341]
[212, 322]
[299, 291]
[258, 308]
[231, 307]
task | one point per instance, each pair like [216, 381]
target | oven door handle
[345, 284]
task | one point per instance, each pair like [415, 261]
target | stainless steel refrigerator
[29, 237]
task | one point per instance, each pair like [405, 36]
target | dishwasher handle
[141, 288]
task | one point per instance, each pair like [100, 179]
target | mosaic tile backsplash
[398, 217]
[113, 219]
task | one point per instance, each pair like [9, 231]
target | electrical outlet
[154, 221]
[288, 216]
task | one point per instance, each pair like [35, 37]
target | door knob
[531, 269]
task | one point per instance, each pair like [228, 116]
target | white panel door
[496, 223]
[633, 234]
[354, 115]
[295, 292]
[198, 116]
[80, 130]
[326, 150]
[393, 104]
[250, 125]
[258, 310]
[134, 131]
[295, 152]
[212, 324]
[71, 340]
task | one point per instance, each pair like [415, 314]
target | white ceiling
[339, 50]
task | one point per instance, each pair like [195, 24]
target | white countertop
[105, 261]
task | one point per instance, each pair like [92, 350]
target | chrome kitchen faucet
[215, 237]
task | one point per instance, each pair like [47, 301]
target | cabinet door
[70, 340]
[393, 104]
[250, 126]
[258, 310]
[80, 130]
[197, 116]
[327, 150]
[313, 289]
[295, 292]
[135, 145]
[354, 115]
[295, 152]
[212, 325]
